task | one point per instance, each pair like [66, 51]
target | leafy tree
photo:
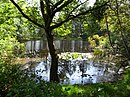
[115, 25]
[117, 20]
[13, 29]
[49, 9]
[14, 24]
[9, 46]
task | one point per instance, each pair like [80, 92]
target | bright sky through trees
[90, 2]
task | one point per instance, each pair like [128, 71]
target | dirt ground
[26, 60]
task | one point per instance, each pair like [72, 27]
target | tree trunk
[54, 59]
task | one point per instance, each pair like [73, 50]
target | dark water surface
[81, 70]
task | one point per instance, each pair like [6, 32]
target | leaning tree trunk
[54, 59]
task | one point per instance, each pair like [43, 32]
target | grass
[97, 90]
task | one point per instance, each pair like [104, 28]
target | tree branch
[58, 3]
[48, 9]
[24, 15]
[62, 6]
[42, 9]
[76, 7]
[76, 16]
[121, 31]
[108, 32]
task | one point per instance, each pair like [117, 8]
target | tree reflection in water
[77, 71]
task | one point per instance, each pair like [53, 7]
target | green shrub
[16, 83]
[9, 49]
[9, 74]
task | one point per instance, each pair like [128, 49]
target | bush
[17, 83]
[9, 49]
[9, 74]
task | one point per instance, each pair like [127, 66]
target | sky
[91, 2]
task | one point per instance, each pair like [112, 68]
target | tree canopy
[65, 17]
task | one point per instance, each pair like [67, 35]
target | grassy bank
[17, 83]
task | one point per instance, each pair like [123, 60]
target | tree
[14, 24]
[49, 9]
[117, 18]
[8, 42]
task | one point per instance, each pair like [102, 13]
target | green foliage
[63, 30]
[73, 91]
[15, 82]
[110, 89]
[97, 51]
[6, 21]
[117, 89]
[118, 23]
[74, 56]
[9, 49]
[9, 74]
[30, 88]
[127, 77]
[98, 42]
[81, 27]
[70, 55]
[90, 26]
[12, 23]
[4, 1]
[99, 13]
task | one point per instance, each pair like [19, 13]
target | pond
[77, 68]
[76, 64]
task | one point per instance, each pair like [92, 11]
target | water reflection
[76, 71]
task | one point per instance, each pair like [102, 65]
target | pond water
[80, 70]
[76, 65]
